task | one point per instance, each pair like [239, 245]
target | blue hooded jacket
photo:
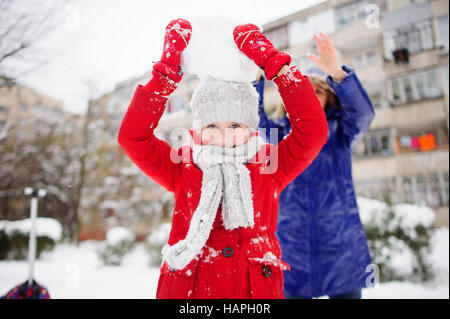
[319, 228]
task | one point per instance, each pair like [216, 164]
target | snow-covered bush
[14, 237]
[440, 255]
[156, 241]
[399, 239]
[4, 244]
[119, 241]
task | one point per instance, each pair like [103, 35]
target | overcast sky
[104, 42]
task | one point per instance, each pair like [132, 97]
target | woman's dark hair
[316, 81]
[332, 100]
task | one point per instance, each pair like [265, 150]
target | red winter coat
[245, 262]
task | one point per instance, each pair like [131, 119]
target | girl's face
[225, 134]
[322, 95]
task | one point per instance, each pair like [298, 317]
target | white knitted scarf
[225, 180]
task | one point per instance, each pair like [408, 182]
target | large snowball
[212, 51]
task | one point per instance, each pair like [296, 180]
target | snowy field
[76, 272]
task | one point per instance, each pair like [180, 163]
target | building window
[427, 189]
[421, 82]
[278, 37]
[443, 187]
[378, 100]
[397, 95]
[95, 111]
[433, 188]
[442, 31]
[444, 76]
[297, 32]
[409, 185]
[382, 189]
[176, 103]
[415, 87]
[300, 31]
[375, 143]
[432, 88]
[344, 15]
[4, 110]
[426, 35]
[365, 59]
[408, 89]
[415, 37]
[398, 4]
[23, 107]
[428, 138]
[352, 12]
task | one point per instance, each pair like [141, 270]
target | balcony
[347, 40]
[417, 61]
[406, 164]
[406, 15]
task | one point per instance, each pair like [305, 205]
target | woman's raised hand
[327, 60]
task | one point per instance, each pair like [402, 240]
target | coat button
[267, 272]
[227, 252]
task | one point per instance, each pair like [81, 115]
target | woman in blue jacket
[319, 227]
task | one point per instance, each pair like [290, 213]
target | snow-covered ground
[76, 272]
[438, 289]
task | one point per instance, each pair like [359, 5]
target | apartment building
[400, 52]
[25, 114]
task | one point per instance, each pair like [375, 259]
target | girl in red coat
[226, 180]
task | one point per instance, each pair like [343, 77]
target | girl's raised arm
[265, 123]
[151, 155]
[309, 125]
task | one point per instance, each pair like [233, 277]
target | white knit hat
[223, 101]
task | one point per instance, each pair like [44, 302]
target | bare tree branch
[14, 51]
[22, 25]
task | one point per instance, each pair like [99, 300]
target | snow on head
[212, 52]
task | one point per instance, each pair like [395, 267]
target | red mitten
[176, 39]
[255, 45]
[178, 34]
